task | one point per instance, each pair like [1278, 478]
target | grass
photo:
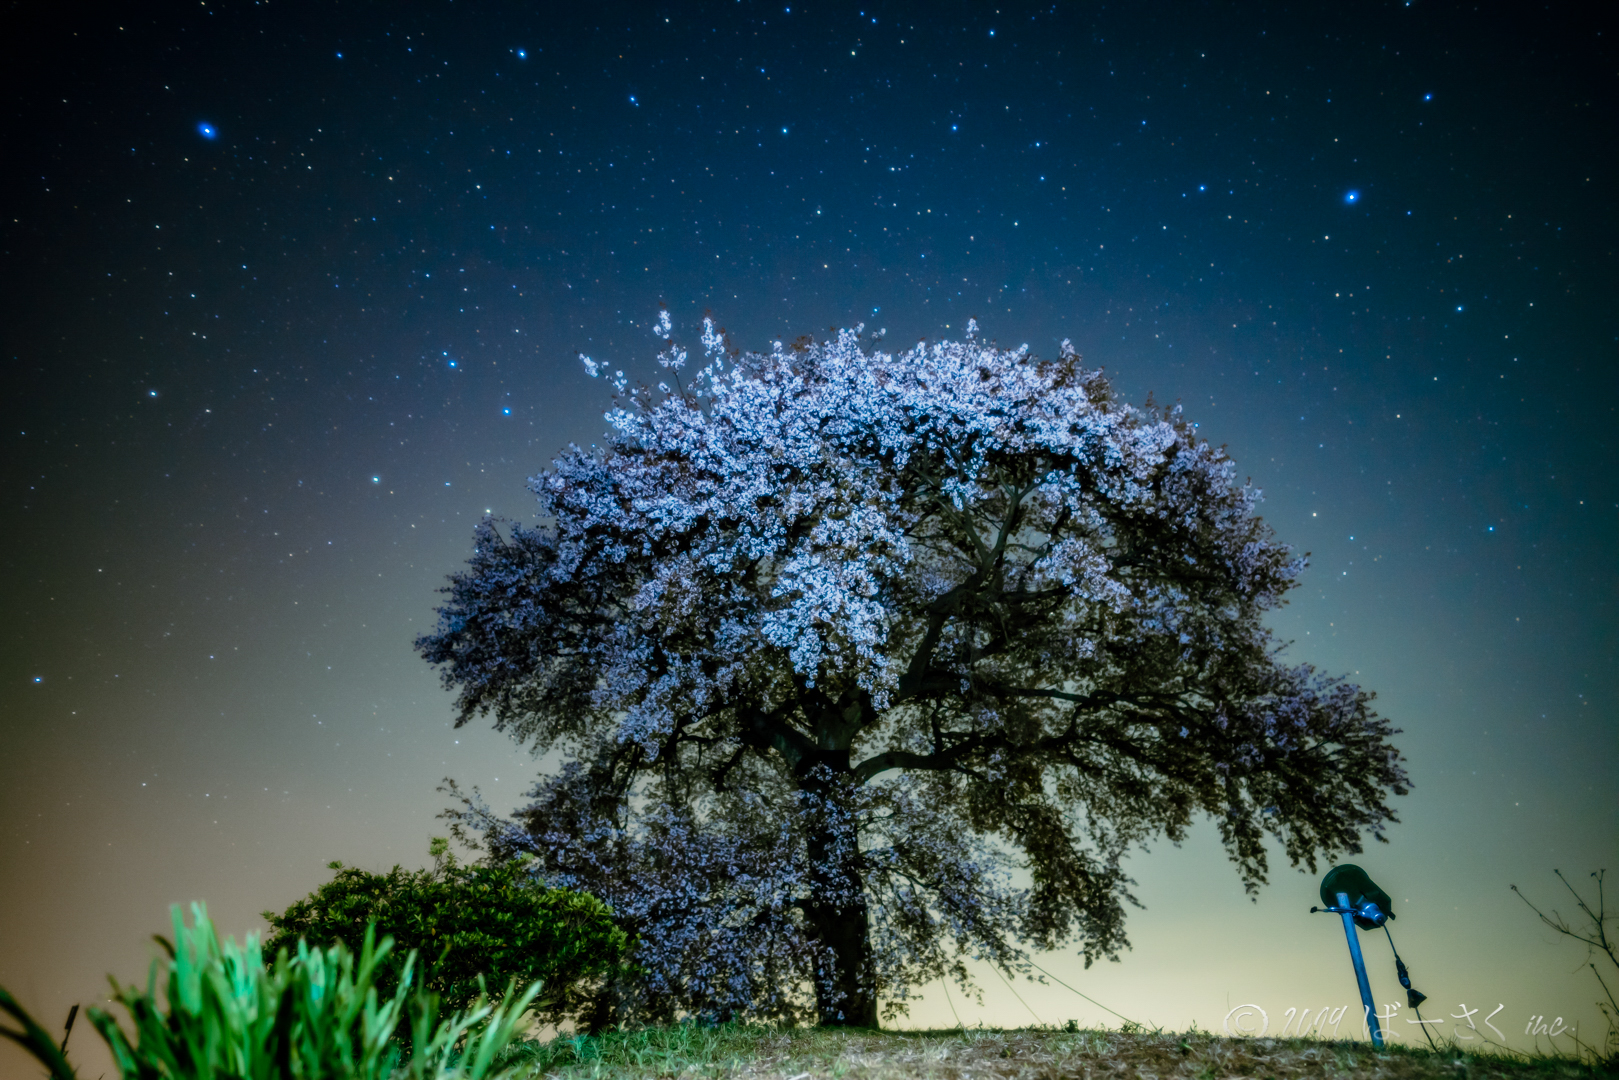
[737, 1052]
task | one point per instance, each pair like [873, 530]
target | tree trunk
[845, 990]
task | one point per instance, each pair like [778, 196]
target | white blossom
[835, 639]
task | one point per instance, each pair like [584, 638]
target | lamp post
[1360, 969]
[1348, 891]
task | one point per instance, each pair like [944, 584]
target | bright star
[522, 54]
[207, 130]
[1351, 196]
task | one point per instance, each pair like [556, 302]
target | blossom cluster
[832, 636]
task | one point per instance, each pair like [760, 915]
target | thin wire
[1015, 994]
[951, 1003]
[1087, 997]
[1415, 1008]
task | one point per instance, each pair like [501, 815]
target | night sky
[294, 295]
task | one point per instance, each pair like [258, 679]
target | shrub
[312, 1015]
[468, 923]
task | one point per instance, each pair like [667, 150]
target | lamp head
[1372, 905]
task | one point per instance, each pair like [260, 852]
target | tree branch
[762, 732]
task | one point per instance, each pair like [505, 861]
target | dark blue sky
[293, 295]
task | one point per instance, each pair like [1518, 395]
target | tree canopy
[861, 663]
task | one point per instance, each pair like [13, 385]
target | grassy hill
[745, 1053]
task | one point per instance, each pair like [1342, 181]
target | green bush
[313, 1015]
[468, 923]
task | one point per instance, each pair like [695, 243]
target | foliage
[310, 1016]
[35, 1039]
[469, 923]
[833, 641]
[1596, 939]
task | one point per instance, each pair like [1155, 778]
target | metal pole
[1360, 970]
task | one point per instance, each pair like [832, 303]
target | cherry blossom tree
[862, 664]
